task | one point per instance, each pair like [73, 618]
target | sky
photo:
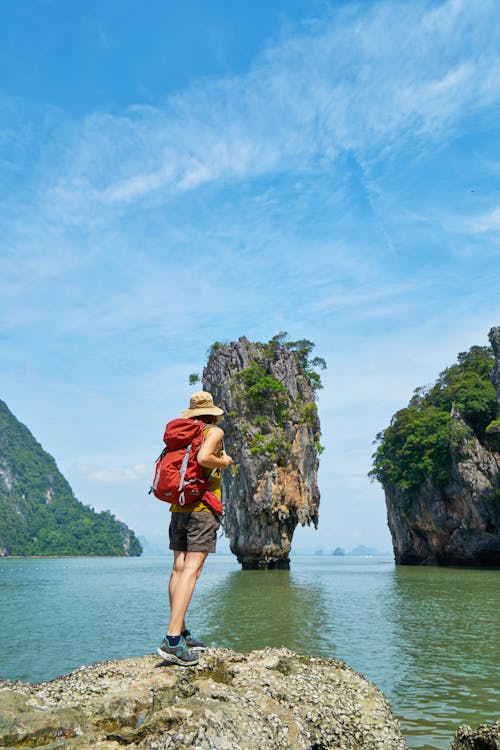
[175, 174]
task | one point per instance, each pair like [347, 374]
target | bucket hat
[201, 403]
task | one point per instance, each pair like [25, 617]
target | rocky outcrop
[271, 699]
[494, 336]
[272, 433]
[457, 523]
[485, 737]
[493, 429]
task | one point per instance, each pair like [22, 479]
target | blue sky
[178, 173]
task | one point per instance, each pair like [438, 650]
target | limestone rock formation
[494, 337]
[456, 522]
[272, 433]
[495, 374]
[271, 699]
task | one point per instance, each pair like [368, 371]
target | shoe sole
[175, 659]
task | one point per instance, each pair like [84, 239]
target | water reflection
[427, 637]
[254, 609]
[447, 622]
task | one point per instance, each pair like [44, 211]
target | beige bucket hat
[202, 403]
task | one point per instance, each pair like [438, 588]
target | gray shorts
[193, 532]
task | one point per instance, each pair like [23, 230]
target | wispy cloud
[368, 80]
[482, 223]
[314, 193]
[112, 474]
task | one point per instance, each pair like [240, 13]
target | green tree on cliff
[419, 441]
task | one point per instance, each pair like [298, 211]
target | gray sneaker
[179, 654]
[193, 643]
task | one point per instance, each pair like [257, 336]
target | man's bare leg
[185, 572]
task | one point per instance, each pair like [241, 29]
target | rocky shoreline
[485, 737]
[272, 699]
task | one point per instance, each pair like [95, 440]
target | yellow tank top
[214, 484]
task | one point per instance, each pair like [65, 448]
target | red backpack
[178, 476]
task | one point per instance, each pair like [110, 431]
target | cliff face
[495, 375]
[39, 514]
[272, 431]
[457, 523]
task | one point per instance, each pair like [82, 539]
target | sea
[427, 637]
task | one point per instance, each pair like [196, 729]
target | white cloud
[111, 474]
[368, 80]
[483, 223]
[138, 185]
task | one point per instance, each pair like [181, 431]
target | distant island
[359, 551]
[39, 514]
[362, 551]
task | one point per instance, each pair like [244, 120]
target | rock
[271, 700]
[459, 522]
[485, 737]
[494, 337]
[272, 485]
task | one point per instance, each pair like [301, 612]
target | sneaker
[179, 654]
[193, 643]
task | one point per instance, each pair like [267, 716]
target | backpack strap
[182, 499]
[156, 478]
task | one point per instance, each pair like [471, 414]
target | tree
[302, 350]
[422, 438]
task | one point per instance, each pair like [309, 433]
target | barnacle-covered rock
[272, 699]
[485, 737]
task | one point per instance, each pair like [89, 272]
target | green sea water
[427, 637]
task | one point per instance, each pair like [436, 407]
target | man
[193, 533]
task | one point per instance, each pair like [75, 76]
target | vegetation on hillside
[419, 442]
[39, 515]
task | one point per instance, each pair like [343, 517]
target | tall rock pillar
[272, 433]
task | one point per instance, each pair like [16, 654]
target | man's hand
[227, 460]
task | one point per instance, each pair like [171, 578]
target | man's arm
[210, 446]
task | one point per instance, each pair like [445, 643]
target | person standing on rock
[193, 533]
